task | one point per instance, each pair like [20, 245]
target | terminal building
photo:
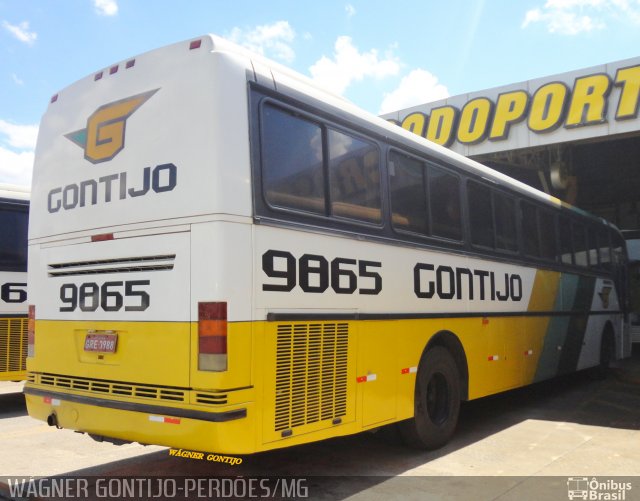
[575, 135]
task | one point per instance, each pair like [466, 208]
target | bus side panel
[604, 298]
[545, 298]
[378, 371]
[556, 335]
[583, 307]
[309, 379]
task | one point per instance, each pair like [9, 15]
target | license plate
[102, 342]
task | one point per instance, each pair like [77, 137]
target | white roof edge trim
[14, 192]
[223, 45]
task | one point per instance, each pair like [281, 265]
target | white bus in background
[14, 216]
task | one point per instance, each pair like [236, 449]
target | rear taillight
[212, 336]
[31, 331]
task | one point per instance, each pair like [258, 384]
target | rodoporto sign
[610, 96]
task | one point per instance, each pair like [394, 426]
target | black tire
[607, 354]
[436, 401]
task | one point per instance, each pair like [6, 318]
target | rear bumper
[224, 431]
[13, 376]
[215, 417]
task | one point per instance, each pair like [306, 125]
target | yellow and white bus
[14, 217]
[223, 257]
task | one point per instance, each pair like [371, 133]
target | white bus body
[144, 207]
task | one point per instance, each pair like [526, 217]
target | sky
[383, 55]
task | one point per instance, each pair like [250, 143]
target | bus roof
[310, 87]
[261, 70]
[14, 192]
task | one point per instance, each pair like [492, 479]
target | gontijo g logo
[103, 138]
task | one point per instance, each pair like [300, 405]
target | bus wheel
[607, 354]
[436, 401]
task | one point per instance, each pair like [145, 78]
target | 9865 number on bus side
[315, 274]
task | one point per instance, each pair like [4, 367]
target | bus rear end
[141, 182]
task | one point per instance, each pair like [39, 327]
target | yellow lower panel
[288, 369]
[13, 376]
[147, 352]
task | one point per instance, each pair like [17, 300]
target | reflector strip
[195, 44]
[367, 378]
[409, 370]
[528, 353]
[493, 358]
[31, 331]
[164, 419]
[52, 401]
[102, 237]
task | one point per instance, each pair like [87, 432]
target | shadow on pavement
[12, 405]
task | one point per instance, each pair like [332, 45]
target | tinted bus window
[293, 175]
[547, 226]
[592, 246]
[444, 197]
[604, 249]
[580, 244]
[530, 240]
[408, 193]
[504, 209]
[566, 249]
[354, 176]
[618, 249]
[480, 214]
[13, 244]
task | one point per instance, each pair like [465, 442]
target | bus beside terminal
[268, 265]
